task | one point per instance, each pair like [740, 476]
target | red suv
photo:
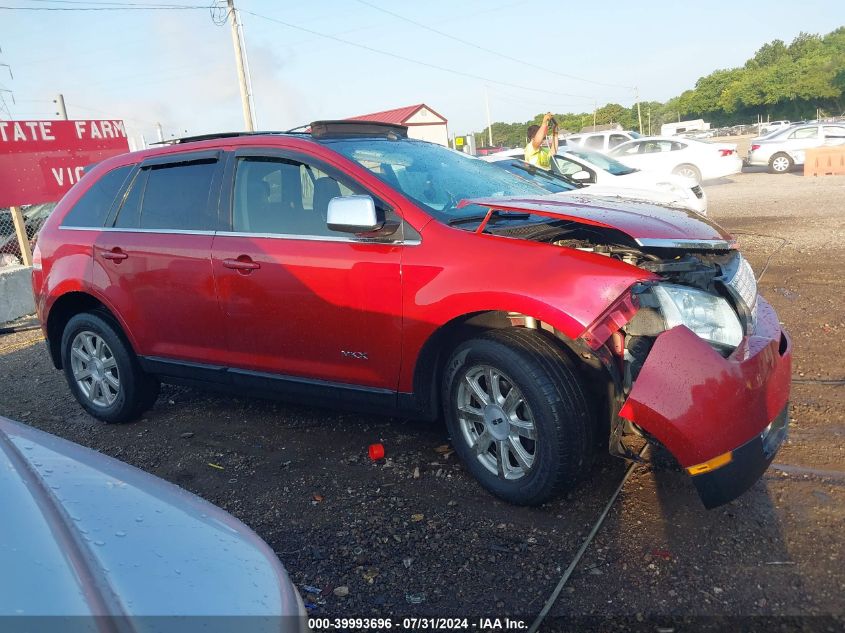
[351, 265]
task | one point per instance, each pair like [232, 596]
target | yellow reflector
[711, 464]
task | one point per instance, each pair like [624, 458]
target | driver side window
[283, 197]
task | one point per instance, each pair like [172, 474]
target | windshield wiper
[496, 213]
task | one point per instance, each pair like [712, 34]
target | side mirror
[581, 176]
[353, 214]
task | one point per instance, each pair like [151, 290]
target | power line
[490, 50]
[410, 59]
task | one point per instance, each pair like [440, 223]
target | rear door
[834, 135]
[300, 300]
[152, 262]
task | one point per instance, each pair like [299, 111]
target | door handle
[115, 254]
[242, 264]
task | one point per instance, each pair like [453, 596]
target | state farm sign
[41, 160]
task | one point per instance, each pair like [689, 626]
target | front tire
[103, 372]
[518, 415]
[781, 163]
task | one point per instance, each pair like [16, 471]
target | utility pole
[639, 114]
[489, 123]
[60, 105]
[246, 105]
[595, 112]
[649, 121]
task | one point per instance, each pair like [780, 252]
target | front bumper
[747, 465]
[701, 406]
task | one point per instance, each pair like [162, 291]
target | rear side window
[171, 197]
[617, 139]
[595, 142]
[93, 207]
[805, 132]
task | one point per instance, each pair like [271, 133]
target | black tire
[690, 171]
[557, 401]
[781, 163]
[137, 390]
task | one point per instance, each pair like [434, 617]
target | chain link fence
[34, 217]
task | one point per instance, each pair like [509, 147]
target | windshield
[433, 176]
[602, 161]
[551, 182]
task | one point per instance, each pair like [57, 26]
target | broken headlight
[709, 316]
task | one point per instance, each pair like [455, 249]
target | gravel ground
[414, 535]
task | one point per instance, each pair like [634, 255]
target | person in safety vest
[535, 152]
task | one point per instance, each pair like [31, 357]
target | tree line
[794, 81]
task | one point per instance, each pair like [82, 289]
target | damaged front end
[699, 361]
[704, 365]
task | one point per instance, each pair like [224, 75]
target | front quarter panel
[455, 272]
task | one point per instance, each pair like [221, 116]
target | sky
[177, 67]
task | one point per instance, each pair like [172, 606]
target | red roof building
[423, 123]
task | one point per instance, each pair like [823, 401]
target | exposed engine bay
[712, 292]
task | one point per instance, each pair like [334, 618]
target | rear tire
[781, 163]
[103, 372]
[504, 388]
[688, 171]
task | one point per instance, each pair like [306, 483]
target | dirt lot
[435, 544]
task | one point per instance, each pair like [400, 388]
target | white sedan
[601, 175]
[693, 159]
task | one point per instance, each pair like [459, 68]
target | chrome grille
[745, 285]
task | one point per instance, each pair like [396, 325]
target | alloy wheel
[496, 422]
[688, 172]
[94, 368]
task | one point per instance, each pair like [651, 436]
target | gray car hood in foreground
[83, 534]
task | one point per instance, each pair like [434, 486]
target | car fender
[565, 288]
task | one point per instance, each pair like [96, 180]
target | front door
[299, 300]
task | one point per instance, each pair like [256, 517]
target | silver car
[782, 150]
[93, 542]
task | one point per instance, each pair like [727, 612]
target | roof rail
[212, 136]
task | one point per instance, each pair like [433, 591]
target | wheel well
[428, 371]
[63, 310]
[681, 165]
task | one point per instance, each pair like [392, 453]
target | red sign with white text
[41, 160]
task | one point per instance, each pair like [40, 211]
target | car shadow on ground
[797, 170]
[661, 553]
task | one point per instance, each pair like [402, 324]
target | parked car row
[601, 141]
[784, 148]
[589, 173]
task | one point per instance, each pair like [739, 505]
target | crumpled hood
[644, 222]
[614, 193]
